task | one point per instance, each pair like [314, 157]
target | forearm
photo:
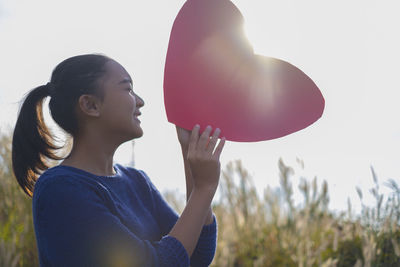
[190, 224]
[188, 174]
[206, 246]
[189, 185]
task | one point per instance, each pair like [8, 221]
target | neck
[92, 154]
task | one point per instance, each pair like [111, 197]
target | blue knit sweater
[82, 219]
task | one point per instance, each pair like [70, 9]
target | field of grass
[273, 231]
[253, 230]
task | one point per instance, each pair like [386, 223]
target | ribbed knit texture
[82, 219]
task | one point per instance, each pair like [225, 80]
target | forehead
[115, 72]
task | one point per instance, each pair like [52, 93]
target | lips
[136, 115]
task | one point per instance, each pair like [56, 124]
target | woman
[88, 211]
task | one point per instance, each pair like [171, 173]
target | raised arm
[183, 137]
[204, 166]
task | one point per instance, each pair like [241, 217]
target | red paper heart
[212, 77]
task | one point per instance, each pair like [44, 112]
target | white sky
[349, 48]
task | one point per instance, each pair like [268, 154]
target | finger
[194, 136]
[202, 144]
[182, 131]
[213, 140]
[178, 129]
[218, 150]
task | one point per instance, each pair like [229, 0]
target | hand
[203, 160]
[183, 137]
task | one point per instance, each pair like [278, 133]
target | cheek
[120, 109]
[126, 104]
[129, 105]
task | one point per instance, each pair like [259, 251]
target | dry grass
[273, 231]
[253, 230]
[17, 240]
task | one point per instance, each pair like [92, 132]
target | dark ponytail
[32, 144]
[32, 140]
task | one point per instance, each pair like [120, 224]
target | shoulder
[52, 176]
[60, 184]
[134, 173]
[138, 175]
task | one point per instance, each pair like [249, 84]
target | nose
[139, 101]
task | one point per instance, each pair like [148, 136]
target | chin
[138, 133]
[133, 134]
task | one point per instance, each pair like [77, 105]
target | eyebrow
[126, 80]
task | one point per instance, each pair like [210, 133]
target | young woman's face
[120, 106]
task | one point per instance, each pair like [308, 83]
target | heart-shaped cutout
[212, 77]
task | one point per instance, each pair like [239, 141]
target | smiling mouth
[136, 117]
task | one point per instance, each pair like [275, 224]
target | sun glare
[254, 37]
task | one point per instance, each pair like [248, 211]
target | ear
[89, 105]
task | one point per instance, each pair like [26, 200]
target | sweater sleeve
[206, 245]
[74, 227]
